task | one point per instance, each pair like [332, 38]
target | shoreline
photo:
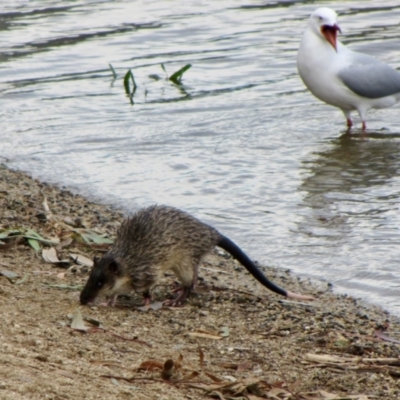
[270, 340]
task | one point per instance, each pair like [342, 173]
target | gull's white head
[323, 22]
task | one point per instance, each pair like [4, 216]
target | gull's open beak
[330, 34]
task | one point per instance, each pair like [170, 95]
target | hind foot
[146, 298]
[183, 293]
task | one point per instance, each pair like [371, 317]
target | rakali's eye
[100, 284]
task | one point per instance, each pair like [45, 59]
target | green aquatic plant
[113, 71]
[129, 79]
[176, 77]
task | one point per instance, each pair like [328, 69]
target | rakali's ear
[96, 260]
[113, 267]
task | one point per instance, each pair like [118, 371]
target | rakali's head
[103, 280]
[323, 21]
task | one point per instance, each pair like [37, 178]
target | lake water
[241, 144]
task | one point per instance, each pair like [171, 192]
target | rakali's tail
[239, 255]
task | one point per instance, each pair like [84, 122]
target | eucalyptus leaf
[41, 240]
[67, 287]
[34, 234]
[6, 234]
[31, 234]
[34, 244]
[23, 280]
[93, 237]
[9, 274]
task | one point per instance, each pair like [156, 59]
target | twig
[130, 380]
[96, 330]
[47, 211]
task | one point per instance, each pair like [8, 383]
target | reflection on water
[350, 168]
[241, 144]
[351, 198]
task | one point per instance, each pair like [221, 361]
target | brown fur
[158, 239]
[154, 240]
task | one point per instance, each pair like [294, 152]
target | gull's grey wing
[370, 78]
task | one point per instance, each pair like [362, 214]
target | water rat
[155, 240]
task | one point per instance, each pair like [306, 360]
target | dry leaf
[217, 393]
[65, 242]
[326, 358]
[77, 321]
[244, 366]
[150, 365]
[50, 255]
[23, 280]
[211, 387]
[294, 387]
[323, 395]
[178, 362]
[332, 396]
[383, 336]
[254, 397]
[230, 378]
[135, 339]
[46, 207]
[106, 363]
[275, 392]
[10, 275]
[201, 358]
[189, 377]
[213, 377]
[204, 335]
[157, 305]
[64, 286]
[224, 331]
[82, 260]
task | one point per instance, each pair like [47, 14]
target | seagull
[341, 77]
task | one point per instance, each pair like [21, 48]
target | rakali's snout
[86, 297]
